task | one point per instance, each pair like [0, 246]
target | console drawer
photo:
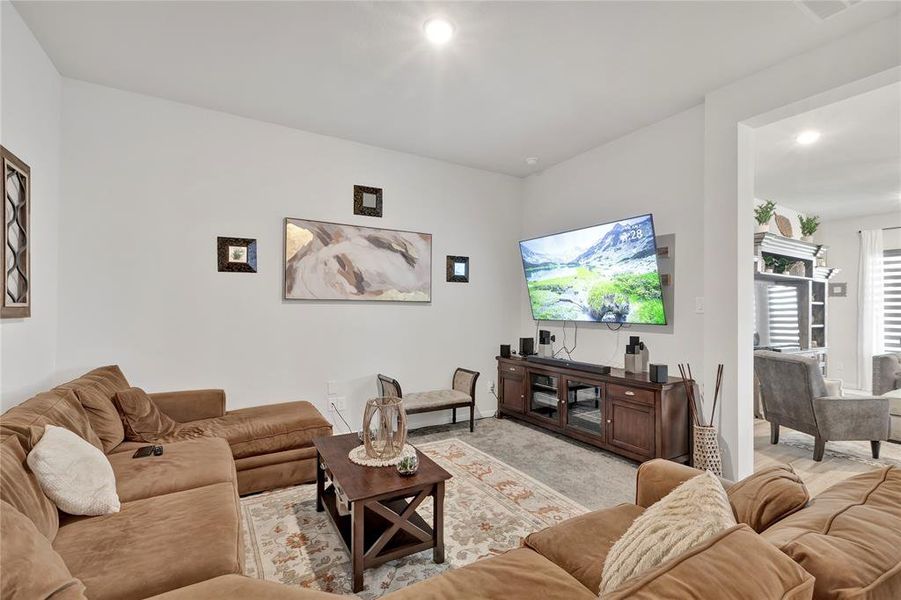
[631, 394]
[508, 369]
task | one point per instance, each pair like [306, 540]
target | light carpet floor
[590, 476]
[489, 507]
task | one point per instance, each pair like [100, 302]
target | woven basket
[707, 450]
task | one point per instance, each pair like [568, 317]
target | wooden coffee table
[383, 523]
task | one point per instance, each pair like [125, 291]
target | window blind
[892, 281]
[782, 308]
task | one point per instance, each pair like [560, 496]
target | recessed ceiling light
[438, 30]
[532, 161]
[805, 138]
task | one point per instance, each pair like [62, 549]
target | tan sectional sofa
[180, 520]
[178, 534]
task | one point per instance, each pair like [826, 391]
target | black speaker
[526, 346]
[505, 350]
[544, 336]
[659, 373]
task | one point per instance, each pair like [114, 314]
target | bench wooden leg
[455, 416]
[472, 418]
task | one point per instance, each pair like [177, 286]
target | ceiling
[520, 79]
[854, 169]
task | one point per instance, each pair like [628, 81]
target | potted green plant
[763, 214]
[809, 226]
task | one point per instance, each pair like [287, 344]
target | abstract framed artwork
[16, 237]
[367, 201]
[333, 261]
[458, 269]
[236, 255]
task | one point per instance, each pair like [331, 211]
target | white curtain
[870, 306]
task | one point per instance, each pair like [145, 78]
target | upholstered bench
[461, 395]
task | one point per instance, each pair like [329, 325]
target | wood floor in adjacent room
[841, 460]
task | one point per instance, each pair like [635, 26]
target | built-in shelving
[807, 290]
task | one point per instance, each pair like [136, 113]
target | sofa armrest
[190, 405]
[658, 477]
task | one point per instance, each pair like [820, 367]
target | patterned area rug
[890, 452]
[489, 507]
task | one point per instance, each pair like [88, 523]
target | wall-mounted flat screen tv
[606, 273]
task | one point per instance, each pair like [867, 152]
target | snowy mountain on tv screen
[605, 273]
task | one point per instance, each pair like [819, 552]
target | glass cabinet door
[543, 398]
[584, 407]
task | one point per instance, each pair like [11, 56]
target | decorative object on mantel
[408, 465]
[458, 269]
[797, 269]
[809, 226]
[706, 449]
[763, 214]
[236, 255]
[367, 201]
[358, 456]
[332, 261]
[384, 427]
[784, 225]
[16, 237]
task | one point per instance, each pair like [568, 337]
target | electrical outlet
[699, 305]
[493, 387]
[340, 403]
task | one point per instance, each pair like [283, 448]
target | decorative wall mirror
[458, 269]
[16, 237]
[367, 201]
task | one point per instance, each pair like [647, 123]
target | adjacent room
[308, 300]
[826, 292]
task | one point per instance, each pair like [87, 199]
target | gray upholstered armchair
[794, 394]
[886, 373]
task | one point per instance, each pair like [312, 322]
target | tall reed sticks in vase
[706, 450]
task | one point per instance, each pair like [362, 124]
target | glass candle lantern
[384, 428]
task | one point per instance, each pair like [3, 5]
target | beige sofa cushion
[580, 545]
[182, 466]
[156, 544]
[260, 429]
[520, 574]
[766, 496]
[60, 408]
[693, 512]
[95, 390]
[30, 567]
[238, 587]
[849, 537]
[736, 564]
[20, 488]
[142, 420]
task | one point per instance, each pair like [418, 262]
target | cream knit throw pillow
[74, 474]
[691, 513]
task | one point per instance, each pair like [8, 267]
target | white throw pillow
[73, 473]
[693, 512]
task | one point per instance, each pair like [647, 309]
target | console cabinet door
[512, 392]
[630, 426]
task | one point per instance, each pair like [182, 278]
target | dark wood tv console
[624, 413]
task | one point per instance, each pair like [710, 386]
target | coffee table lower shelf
[389, 527]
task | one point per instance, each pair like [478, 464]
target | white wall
[841, 237]
[728, 201]
[30, 129]
[657, 169]
[150, 184]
